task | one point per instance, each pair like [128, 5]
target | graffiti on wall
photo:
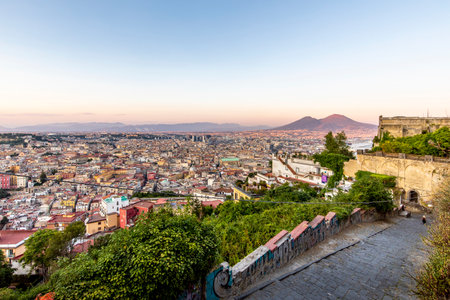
[227, 281]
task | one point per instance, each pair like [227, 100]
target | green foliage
[436, 143]
[239, 183]
[388, 181]
[337, 144]
[45, 246]
[334, 162]
[370, 189]
[43, 177]
[6, 272]
[194, 206]
[244, 226]
[286, 193]
[29, 294]
[4, 194]
[433, 282]
[36, 253]
[156, 259]
[334, 156]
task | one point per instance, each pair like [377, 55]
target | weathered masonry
[226, 282]
[409, 126]
[418, 177]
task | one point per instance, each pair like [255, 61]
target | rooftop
[13, 237]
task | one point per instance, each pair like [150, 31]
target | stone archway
[413, 196]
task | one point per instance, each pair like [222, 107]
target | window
[99, 229]
[10, 253]
[99, 223]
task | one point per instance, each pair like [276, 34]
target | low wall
[226, 281]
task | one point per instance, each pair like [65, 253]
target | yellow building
[94, 224]
[239, 194]
[69, 202]
[12, 242]
[112, 220]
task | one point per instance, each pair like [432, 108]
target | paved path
[378, 267]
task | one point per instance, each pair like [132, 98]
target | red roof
[330, 216]
[299, 229]
[317, 220]
[83, 247]
[271, 244]
[356, 210]
[298, 180]
[144, 204]
[67, 218]
[213, 204]
[161, 201]
[14, 236]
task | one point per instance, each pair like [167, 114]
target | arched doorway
[413, 196]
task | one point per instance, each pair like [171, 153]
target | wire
[332, 203]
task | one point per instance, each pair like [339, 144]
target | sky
[250, 62]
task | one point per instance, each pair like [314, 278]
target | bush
[244, 226]
[156, 259]
[433, 282]
[30, 294]
[436, 143]
[371, 191]
[388, 181]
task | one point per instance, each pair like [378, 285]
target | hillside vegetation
[433, 282]
[435, 143]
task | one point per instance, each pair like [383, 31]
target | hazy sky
[251, 62]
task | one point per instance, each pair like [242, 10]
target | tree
[194, 206]
[371, 191]
[4, 194]
[337, 144]
[43, 177]
[286, 193]
[334, 156]
[158, 258]
[45, 246]
[6, 272]
[36, 253]
[334, 162]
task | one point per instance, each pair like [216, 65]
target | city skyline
[253, 63]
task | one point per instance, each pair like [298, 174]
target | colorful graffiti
[227, 282]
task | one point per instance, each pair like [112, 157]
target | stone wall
[408, 126]
[227, 282]
[416, 175]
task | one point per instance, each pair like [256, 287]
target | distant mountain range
[331, 123]
[120, 127]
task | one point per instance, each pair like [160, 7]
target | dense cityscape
[208, 150]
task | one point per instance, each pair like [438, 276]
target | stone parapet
[227, 282]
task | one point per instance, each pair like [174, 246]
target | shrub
[433, 282]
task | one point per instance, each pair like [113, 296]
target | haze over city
[248, 62]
